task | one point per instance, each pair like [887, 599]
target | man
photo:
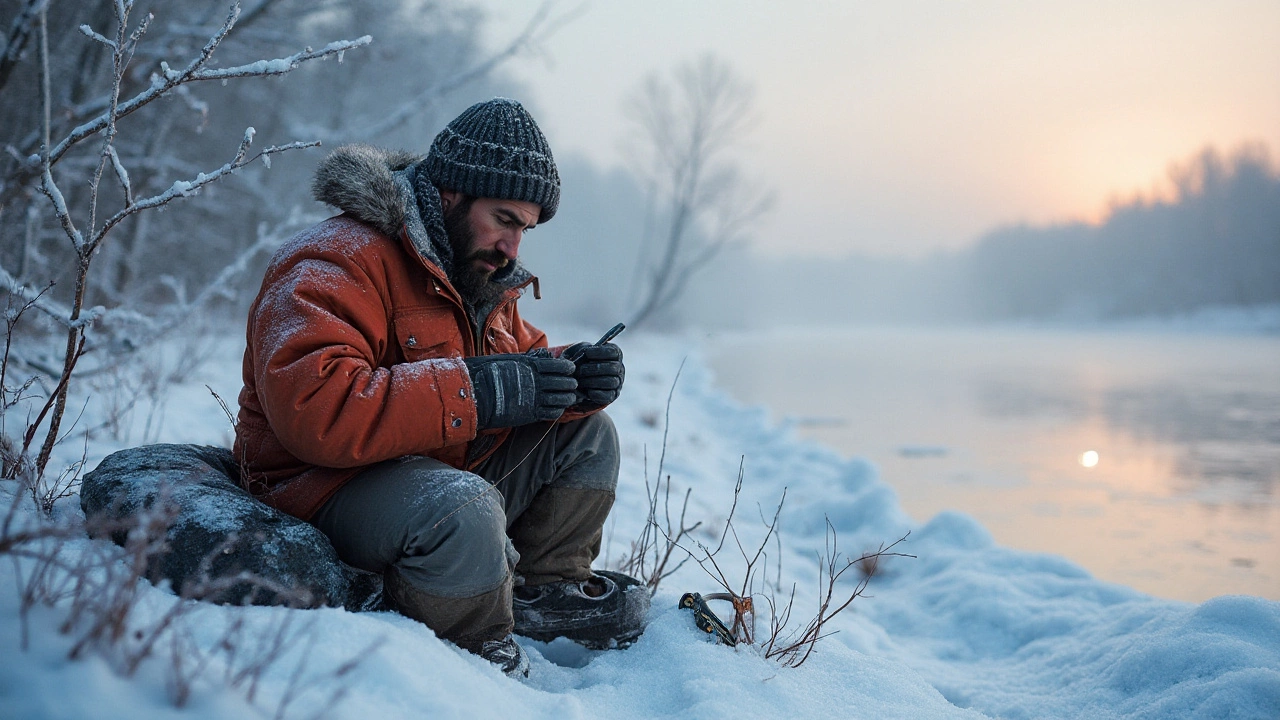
[394, 397]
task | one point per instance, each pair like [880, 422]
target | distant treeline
[1214, 242]
[1217, 242]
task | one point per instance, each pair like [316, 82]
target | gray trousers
[447, 541]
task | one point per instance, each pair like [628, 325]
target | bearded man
[394, 397]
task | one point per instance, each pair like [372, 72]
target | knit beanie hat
[494, 149]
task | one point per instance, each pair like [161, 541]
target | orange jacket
[353, 356]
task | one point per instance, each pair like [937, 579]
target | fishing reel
[706, 620]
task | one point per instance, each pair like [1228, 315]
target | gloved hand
[599, 373]
[518, 389]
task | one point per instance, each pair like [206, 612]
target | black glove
[599, 374]
[516, 389]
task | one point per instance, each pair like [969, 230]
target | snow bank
[967, 629]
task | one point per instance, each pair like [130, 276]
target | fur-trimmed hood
[359, 180]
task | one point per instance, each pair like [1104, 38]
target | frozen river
[1150, 458]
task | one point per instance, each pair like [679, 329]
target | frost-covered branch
[47, 185]
[60, 211]
[121, 174]
[168, 79]
[37, 298]
[76, 319]
[120, 56]
[185, 188]
[145, 326]
[93, 35]
[280, 66]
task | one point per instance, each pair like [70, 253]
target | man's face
[485, 234]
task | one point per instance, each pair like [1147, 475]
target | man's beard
[476, 286]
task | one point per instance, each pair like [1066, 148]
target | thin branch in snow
[650, 560]
[792, 649]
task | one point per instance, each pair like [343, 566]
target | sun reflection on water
[1187, 505]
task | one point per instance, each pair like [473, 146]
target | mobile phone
[613, 333]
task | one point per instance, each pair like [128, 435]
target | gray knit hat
[494, 149]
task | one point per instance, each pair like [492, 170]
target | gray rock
[223, 546]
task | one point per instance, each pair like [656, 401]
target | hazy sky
[900, 127]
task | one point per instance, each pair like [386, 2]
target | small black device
[611, 334]
[706, 620]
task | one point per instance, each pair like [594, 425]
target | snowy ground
[967, 629]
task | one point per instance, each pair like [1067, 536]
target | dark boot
[467, 622]
[607, 610]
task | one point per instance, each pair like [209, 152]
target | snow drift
[966, 629]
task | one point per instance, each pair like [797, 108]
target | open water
[1150, 458]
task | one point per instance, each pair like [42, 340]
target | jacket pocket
[426, 333]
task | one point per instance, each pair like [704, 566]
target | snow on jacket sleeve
[319, 333]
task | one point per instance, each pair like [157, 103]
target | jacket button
[457, 422]
[462, 392]
[412, 341]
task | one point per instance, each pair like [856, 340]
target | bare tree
[87, 224]
[650, 557]
[687, 129]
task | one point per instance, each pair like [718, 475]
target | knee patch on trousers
[596, 465]
[458, 546]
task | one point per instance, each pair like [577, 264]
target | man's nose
[509, 243]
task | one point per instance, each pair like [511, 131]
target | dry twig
[650, 556]
[792, 648]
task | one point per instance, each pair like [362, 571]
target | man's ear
[448, 198]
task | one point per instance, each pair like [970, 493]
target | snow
[966, 629]
[278, 66]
